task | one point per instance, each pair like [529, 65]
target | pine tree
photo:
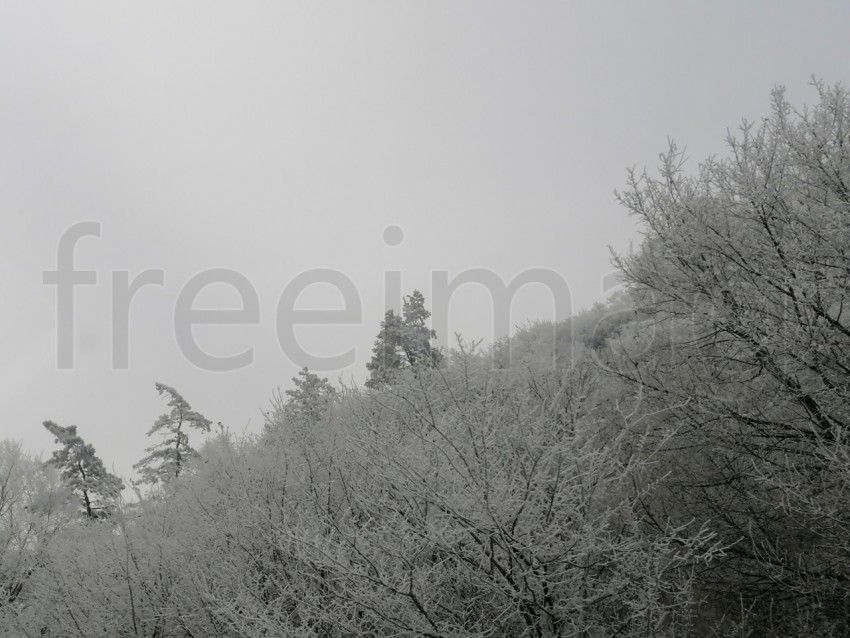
[84, 472]
[403, 342]
[385, 353]
[416, 336]
[168, 458]
[311, 396]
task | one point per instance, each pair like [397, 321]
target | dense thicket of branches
[673, 463]
[745, 276]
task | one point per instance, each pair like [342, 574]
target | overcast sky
[273, 139]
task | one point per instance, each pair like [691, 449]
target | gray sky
[276, 138]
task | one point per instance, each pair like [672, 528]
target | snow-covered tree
[168, 458]
[84, 472]
[745, 276]
[403, 341]
[311, 395]
[34, 506]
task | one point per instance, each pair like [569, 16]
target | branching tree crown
[745, 271]
[168, 458]
[84, 472]
[752, 256]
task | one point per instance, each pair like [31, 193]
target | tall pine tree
[84, 472]
[168, 458]
[403, 342]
